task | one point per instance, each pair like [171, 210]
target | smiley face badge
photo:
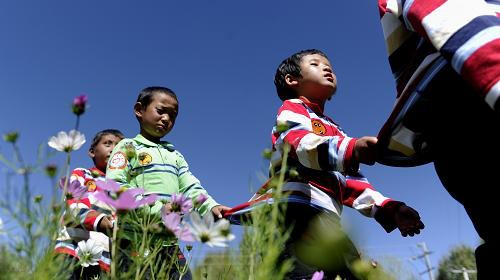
[318, 127]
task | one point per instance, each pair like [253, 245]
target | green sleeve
[121, 162]
[190, 186]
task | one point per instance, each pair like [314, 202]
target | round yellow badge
[318, 127]
[145, 158]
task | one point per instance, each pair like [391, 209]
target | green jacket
[157, 168]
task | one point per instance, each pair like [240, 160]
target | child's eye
[314, 63]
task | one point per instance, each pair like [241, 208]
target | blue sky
[220, 57]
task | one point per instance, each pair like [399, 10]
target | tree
[459, 257]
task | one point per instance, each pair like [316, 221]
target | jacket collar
[141, 139]
[314, 106]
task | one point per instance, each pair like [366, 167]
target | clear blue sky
[220, 57]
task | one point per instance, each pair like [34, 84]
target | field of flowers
[139, 237]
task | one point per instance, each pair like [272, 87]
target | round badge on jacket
[318, 127]
[145, 158]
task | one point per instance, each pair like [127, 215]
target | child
[147, 162]
[327, 160]
[94, 219]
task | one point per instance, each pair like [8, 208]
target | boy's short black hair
[291, 65]
[146, 95]
[101, 133]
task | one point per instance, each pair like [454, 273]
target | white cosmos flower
[89, 252]
[206, 231]
[223, 226]
[67, 142]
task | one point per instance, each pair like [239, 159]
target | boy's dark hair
[146, 95]
[291, 65]
[101, 133]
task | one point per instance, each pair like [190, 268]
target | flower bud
[11, 137]
[79, 104]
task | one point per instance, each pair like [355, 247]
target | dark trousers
[463, 133]
[307, 238]
[167, 253]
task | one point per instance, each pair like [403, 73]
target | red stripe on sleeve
[482, 68]
[382, 7]
[419, 10]
[297, 108]
[293, 138]
[353, 189]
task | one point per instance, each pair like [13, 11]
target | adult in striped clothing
[89, 218]
[445, 57]
[327, 160]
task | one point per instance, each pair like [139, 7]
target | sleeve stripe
[493, 96]
[441, 25]
[461, 51]
[342, 152]
[287, 117]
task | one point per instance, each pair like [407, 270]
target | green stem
[66, 180]
[114, 257]
[77, 122]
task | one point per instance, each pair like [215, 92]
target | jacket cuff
[350, 163]
[207, 206]
[385, 214]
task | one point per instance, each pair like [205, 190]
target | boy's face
[318, 82]
[101, 152]
[158, 118]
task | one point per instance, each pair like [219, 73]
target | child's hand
[218, 210]
[408, 221]
[365, 149]
[105, 225]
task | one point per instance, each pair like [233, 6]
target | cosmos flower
[89, 252]
[223, 226]
[67, 142]
[79, 104]
[318, 275]
[74, 188]
[206, 231]
[180, 204]
[199, 200]
[122, 199]
[172, 222]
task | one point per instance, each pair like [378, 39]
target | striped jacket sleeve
[190, 186]
[465, 32]
[81, 208]
[362, 196]
[319, 152]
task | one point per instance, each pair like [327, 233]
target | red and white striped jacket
[425, 37]
[322, 154]
[85, 215]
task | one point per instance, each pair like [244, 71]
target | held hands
[105, 224]
[218, 210]
[365, 149]
[408, 221]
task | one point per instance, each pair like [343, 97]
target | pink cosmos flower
[200, 200]
[181, 204]
[122, 200]
[79, 104]
[318, 275]
[74, 188]
[172, 222]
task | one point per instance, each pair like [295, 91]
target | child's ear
[91, 153]
[138, 109]
[291, 80]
